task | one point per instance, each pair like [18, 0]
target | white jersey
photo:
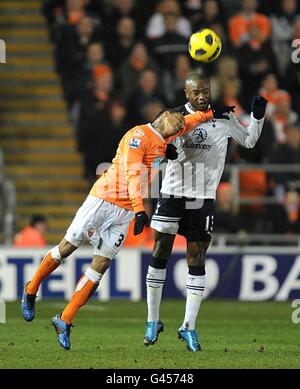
[202, 152]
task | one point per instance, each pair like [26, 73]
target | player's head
[249, 6]
[197, 91]
[39, 222]
[168, 123]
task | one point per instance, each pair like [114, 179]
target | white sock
[55, 254]
[195, 288]
[90, 274]
[93, 275]
[155, 280]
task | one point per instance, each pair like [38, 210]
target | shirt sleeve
[238, 31]
[264, 25]
[136, 172]
[245, 136]
[191, 121]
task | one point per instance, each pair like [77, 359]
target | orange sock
[84, 290]
[47, 266]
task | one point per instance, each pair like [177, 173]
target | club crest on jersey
[138, 132]
[91, 231]
[135, 143]
[199, 134]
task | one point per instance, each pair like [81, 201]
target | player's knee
[100, 264]
[65, 249]
[196, 253]
[196, 261]
[162, 249]
[196, 264]
[105, 265]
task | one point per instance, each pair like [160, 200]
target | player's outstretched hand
[171, 151]
[141, 220]
[222, 112]
[258, 108]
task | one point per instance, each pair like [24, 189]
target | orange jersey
[130, 172]
[239, 26]
[29, 237]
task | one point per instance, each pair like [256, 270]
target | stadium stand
[36, 136]
[7, 205]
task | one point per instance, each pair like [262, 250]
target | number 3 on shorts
[119, 241]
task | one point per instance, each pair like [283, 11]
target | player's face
[198, 94]
[173, 123]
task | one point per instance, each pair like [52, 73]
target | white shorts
[103, 224]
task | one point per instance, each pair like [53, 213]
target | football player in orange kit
[104, 217]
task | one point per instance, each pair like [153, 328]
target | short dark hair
[197, 77]
[161, 112]
[38, 218]
[171, 110]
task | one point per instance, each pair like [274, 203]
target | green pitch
[110, 335]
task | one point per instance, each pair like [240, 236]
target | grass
[110, 335]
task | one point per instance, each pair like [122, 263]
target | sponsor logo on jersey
[91, 232]
[190, 145]
[135, 143]
[198, 136]
[138, 132]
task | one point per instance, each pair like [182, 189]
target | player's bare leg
[51, 261]
[155, 281]
[85, 287]
[195, 286]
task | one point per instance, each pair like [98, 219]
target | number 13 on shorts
[209, 224]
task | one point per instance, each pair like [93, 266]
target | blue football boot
[63, 331]
[153, 329]
[190, 337]
[28, 305]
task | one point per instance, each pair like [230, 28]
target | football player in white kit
[189, 212]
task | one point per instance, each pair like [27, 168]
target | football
[205, 45]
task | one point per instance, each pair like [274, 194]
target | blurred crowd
[122, 61]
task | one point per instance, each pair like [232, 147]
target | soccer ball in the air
[205, 45]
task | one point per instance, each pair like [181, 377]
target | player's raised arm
[193, 119]
[136, 178]
[133, 168]
[248, 136]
